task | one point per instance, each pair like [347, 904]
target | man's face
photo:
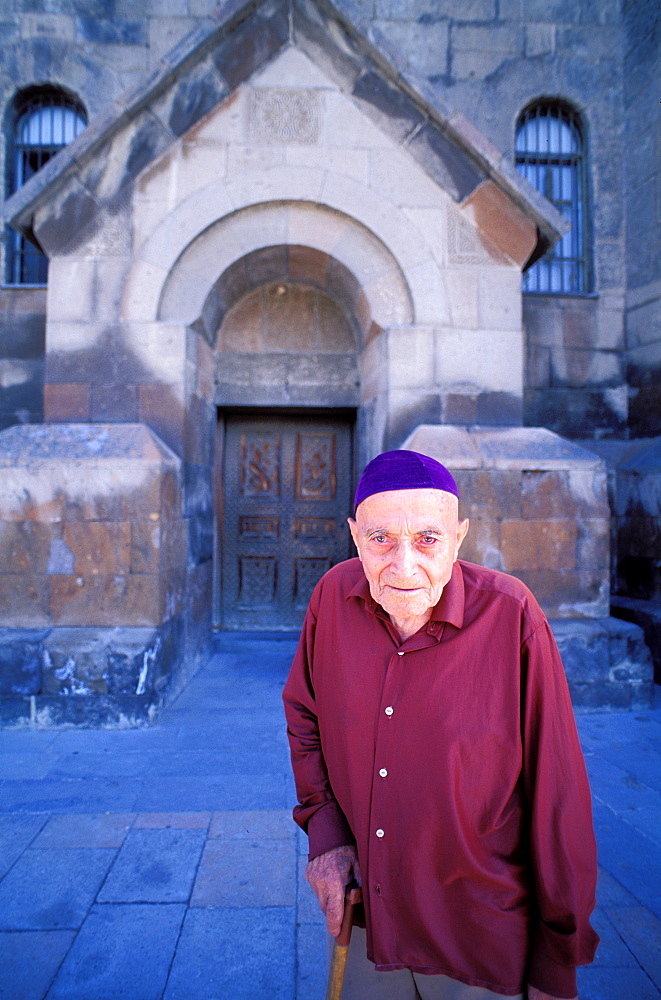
[408, 541]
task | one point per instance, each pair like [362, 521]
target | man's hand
[328, 874]
[535, 994]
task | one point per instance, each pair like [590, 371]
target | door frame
[348, 414]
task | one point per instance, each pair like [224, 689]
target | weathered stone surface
[607, 663]
[501, 222]
[387, 105]
[538, 508]
[646, 614]
[445, 163]
[252, 44]
[21, 652]
[549, 545]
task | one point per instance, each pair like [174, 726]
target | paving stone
[240, 954]
[261, 824]
[610, 892]
[612, 951]
[93, 830]
[237, 791]
[641, 931]
[120, 952]
[52, 889]
[102, 764]
[16, 834]
[231, 759]
[29, 961]
[633, 801]
[172, 821]
[77, 796]
[154, 866]
[246, 873]
[614, 984]
[629, 856]
[23, 765]
[25, 740]
[636, 759]
[312, 968]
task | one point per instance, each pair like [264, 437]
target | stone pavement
[162, 864]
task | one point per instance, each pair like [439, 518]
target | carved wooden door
[287, 493]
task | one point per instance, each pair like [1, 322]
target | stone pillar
[539, 510]
[96, 596]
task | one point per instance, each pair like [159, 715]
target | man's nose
[403, 561]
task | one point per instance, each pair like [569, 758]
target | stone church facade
[291, 235]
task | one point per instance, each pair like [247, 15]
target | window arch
[44, 120]
[551, 154]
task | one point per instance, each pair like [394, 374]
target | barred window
[45, 120]
[550, 153]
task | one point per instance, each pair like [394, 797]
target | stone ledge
[94, 677]
[527, 448]
[607, 663]
[646, 614]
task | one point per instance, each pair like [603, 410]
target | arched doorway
[286, 490]
[285, 473]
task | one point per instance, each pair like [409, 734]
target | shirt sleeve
[562, 842]
[317, 813]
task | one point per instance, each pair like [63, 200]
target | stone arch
[191, 288]
[329, 283]
[286, 324]
[216, 225]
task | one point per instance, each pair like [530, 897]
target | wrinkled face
[408, 541]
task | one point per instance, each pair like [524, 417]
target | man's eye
[380, 538]
[428, 539]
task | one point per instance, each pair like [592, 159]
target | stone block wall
[608, 664]
[538, 508]
[22, 329]
[94, 574]
[642, 69]
[575, 365]
[489, 60]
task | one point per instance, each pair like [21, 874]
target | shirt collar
[450, 608]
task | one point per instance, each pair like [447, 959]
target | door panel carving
[287, 493]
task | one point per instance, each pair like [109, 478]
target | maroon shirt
[452, 761]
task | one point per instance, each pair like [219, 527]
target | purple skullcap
[403, 470]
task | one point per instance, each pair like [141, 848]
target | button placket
[385, 734]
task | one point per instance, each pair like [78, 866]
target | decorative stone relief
[109, 235]
[280, 115]
[466, 245]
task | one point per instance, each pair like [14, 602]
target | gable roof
[223, 51]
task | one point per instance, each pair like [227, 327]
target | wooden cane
[352, 896]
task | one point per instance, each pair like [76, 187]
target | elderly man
[436, 759]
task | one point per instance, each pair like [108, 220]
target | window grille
[550, 153]
[45, 122]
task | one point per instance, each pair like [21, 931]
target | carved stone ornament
[466, 245]
[283, 115]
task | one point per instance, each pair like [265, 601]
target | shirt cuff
[551, 977]
[328, 828]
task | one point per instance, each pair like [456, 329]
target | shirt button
[389, 710]
[380, 833]
[401, 652]
[383, 772]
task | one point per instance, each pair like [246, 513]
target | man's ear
[353, 528]
[462, 531]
